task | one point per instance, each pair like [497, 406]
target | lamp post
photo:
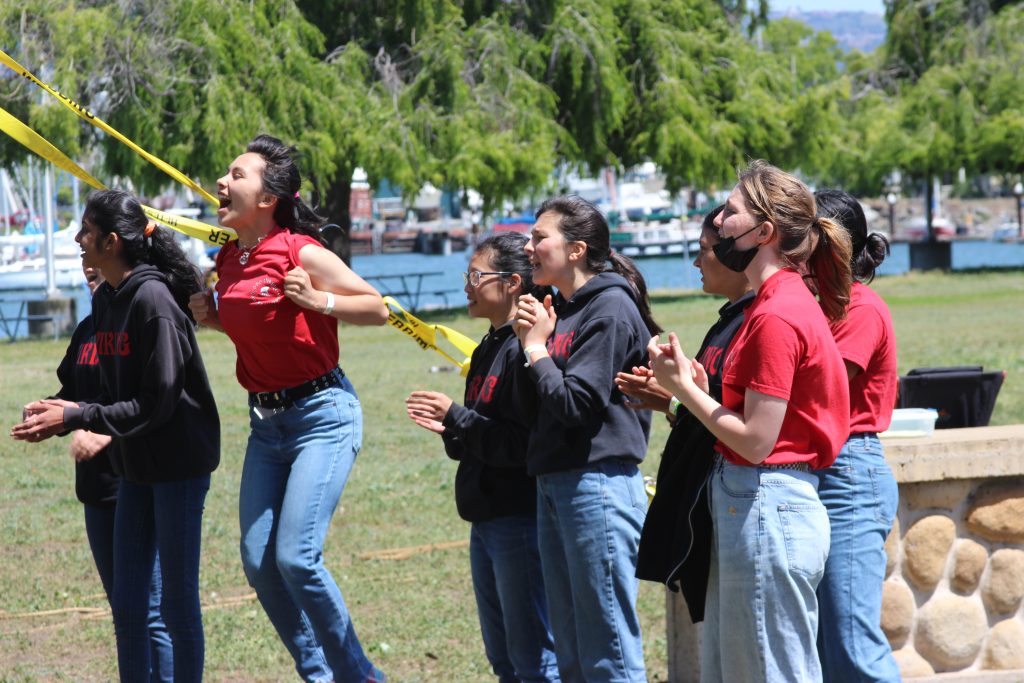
[1018, 190]
[891, 199]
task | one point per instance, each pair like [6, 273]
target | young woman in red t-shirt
[785, 410]
[859, 490]
[279, 297]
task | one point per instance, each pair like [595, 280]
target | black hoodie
[675, 544]
[579, 416]
[156, 400]
[488, 435]
[79, 375]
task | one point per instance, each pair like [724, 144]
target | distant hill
[863, 31]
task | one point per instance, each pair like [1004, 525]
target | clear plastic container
[907, 422]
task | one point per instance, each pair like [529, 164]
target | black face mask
[732, 258]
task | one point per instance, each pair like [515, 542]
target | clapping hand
[428, 409]
[535, 322]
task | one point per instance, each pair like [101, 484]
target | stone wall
[952, 598]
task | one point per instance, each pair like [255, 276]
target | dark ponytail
[114, 211]
[869, 249]
[281, 178]
[506, 254]
[581, 221]
[829, 264]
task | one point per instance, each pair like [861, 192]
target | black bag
[963, 395]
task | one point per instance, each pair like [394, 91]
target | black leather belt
[285, 398]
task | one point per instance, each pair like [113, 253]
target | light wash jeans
[99, 529]
[771, 538]
[588, 530]
[510, 600]
[861, 496]
[165, 517]
[296, 466]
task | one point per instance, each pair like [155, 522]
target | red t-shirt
[866, 339]
[785, 349]
[279, 343]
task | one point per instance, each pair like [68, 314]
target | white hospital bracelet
[329, 306]
[673, 407]
[529, 352]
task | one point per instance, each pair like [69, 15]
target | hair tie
[296, 194]
[150, 228]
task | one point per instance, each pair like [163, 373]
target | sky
[875, 6]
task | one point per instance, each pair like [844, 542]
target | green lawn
[415, 615]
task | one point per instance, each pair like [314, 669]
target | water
[444, 288]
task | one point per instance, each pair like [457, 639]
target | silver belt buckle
[263, 413]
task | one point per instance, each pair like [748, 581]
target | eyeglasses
[473, 276]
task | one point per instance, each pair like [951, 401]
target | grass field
[414, 611]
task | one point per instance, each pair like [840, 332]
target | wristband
[529, 352]
[329, 306]
[674, 404]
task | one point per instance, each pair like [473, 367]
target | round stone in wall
[897, 612]
[925, 547]
[968, 563]
[996, 512]
[1004, 648]
[950, 630]
[912, 665]
[1004, 585]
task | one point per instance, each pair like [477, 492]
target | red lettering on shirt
[482, 389]
[87, 354]
[710, 359]
[113, 344]
[560, 345]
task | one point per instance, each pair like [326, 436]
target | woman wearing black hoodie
[157, 404]
[586, 443]
[487, 435]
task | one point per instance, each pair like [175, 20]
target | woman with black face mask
[784, 411]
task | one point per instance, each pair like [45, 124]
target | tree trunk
[336, 202]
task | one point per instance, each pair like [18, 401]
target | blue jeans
[588, 531]
[861, 496]
[167, 518]
[99, 529]
[770, 543]
[510, 600]
[296, 466]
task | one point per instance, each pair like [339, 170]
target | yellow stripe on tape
[86, 115]
[35, 142]
[426, 334]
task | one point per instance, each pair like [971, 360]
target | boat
[23, 262]
[914, 230]
[656, 236]
[23, 257]
[1007, 232]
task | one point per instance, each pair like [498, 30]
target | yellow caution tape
[86, 115]
[426, 334]
[650, 487]
[35, 142]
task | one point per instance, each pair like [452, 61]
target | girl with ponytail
[157, 403]
[281, 294]
[785, 411]
[585, 441]
[859, 490]
[487, 435]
